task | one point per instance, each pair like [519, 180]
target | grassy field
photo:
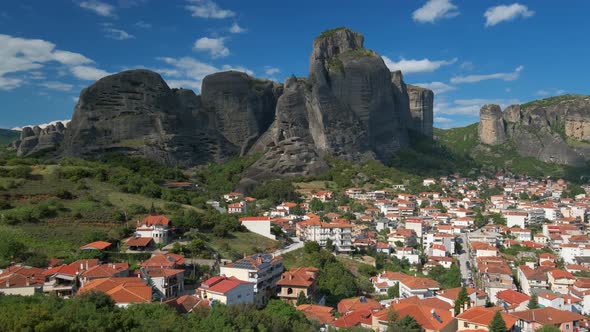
[240, 244]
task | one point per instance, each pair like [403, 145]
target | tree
[534, 302]
[311, 247]
[297, 210]
[462, 298]
[406, 324]
[497, 324]
[329, 245]
[393, 291]
[316, 205]
[302, 299]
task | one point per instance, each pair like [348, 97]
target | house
[581, 290]
[323, 196]
[428, 182]
[296, 281]
[532, 280]
[559, 301]
[560, 281]
[228, 291]
[233, 196]
[420, 287]
[63, 280]
[408, 253]
[168, 261]
[361, 318]
[357, 303]
[340, 233]
[263, 270]
[123, 291]
[479, 318]
[483, 249]
[155, 226]
[385, 280]
[98, 245]
[187, 303]
[168, 282]
[237, 208]
[110, 270]
[430, 318]
[512, 300]
[476, 297]
[258, 225]
[516, 218]
[324, 315]
[21, 280]
[531, 320]
[140, 243]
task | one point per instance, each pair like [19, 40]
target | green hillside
[464, 141]
[7, 136]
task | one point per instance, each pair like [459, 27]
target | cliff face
[35, 139]
[135, 112]
[551, 130]
[491, 125]
[350, 107]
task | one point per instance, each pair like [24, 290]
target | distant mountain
[8, 136]
[544, 137]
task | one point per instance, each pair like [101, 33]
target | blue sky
[469, 52]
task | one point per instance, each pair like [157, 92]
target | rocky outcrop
[350, 107]
[135, 112]
[36, 139]
[553, 130]
[421, 109]
[243, 107]
[491, 125]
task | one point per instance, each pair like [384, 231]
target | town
[452, 254]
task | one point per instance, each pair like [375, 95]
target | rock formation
[350, 107]
[135, 112]
[421, 109]
[243, 107]
[35, 139]
[552, 130]
[491, 125]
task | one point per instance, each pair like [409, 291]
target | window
[567, 326]
[289, 290]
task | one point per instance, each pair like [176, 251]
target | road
[297, 244]
[464, 258]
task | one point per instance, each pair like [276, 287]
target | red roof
[222, 285]
[512, 297]
[139, 242]
[98, 245]
[156, 220]
[357, 303]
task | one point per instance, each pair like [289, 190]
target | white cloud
[19, 55]
[143, 25]
[542, 93]
[497, 76]
[55, 85]
[416, 66]
[43, 125]
[208, 9]
[117, 34]
[434, 10]
[70, 58]
[235, 28]
[437, 87]
[271, 70]
[10, 83]
[99, 8]
[469, 107]
[238, 68]
[502, 13]
[444, 123]
[88, 73]
[75, 99]
[560, 92]
[215, 46]
[187, 72]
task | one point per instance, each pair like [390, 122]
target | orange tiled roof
[98, 245]
[548, 315]
[483, 316]
[121, 290]
[357, 303]
[302, 277]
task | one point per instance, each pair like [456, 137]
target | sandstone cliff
[552, 130]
